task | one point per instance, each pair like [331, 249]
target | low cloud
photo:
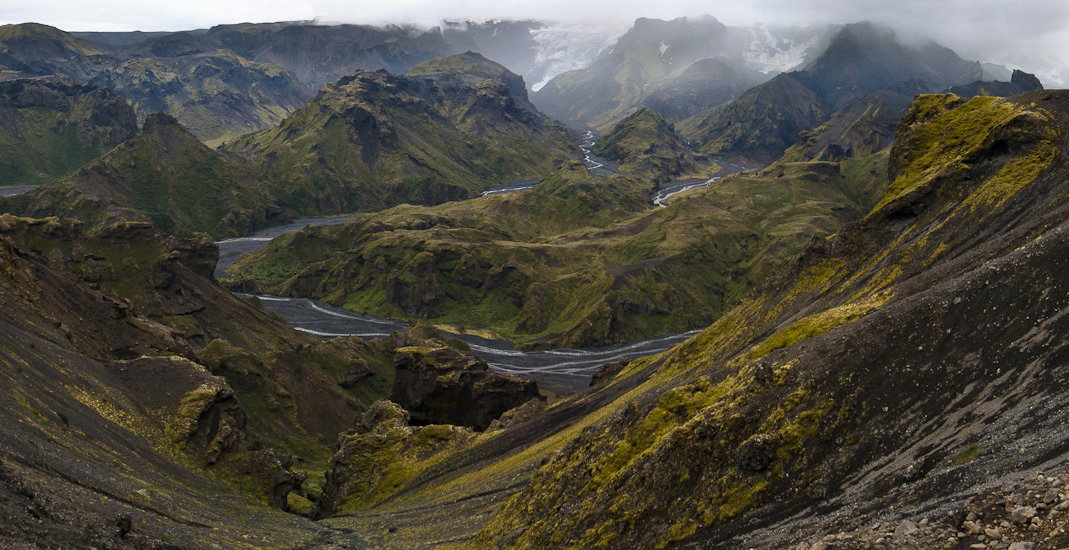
[1033, 34]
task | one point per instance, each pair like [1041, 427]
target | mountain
[861, 59]
[646, 143]
[872, 387]
[214, 92]
[446, 130]
[166, 176]
[576, 261]
[52, 126]
[759, 125]
[319, 54]
[678, 67]
[217, 95]
[1018, 83]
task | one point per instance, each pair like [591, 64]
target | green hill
[166, 176]
[449, 129]
[50, 127]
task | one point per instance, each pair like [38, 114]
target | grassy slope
[576, 261]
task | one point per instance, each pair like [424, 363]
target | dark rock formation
[438, 381]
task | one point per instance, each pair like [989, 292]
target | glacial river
[560, 370]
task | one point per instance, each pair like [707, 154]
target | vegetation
[163, 175]
[375, 140]
[645, 143]
[575, 261]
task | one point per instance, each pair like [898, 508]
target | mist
[1029, 34]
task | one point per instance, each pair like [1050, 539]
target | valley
[516, 284]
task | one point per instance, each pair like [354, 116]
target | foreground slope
[860, 375]
[895, 367]
[445, 131]
[146, 407]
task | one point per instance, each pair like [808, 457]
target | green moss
[815, 325]
[969, 454]
[945, 132]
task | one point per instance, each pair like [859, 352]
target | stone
[906, 529]
[1022, 546]
[1022, 514]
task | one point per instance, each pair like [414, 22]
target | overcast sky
[1033, 34]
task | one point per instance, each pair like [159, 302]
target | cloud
[1032, 33]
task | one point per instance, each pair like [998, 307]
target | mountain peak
[157, 121]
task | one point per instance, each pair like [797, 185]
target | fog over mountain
[1031, 34]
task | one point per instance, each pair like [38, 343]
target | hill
[166, 176]
[50, 127]
[445, 131]
[576, 261]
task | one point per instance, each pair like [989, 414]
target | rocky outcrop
[371, 460]
[438, 381]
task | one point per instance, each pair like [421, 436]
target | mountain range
[845, 250]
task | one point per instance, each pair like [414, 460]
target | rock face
[440, 382]
[450, 128]
[1020, 82]
[52, 126]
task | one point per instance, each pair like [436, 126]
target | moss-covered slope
[645, 143]
[449, 129]
[857, 377]
[50, 127]
[577, 260]
[166, 176]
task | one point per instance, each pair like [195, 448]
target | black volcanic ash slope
[445, 131]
